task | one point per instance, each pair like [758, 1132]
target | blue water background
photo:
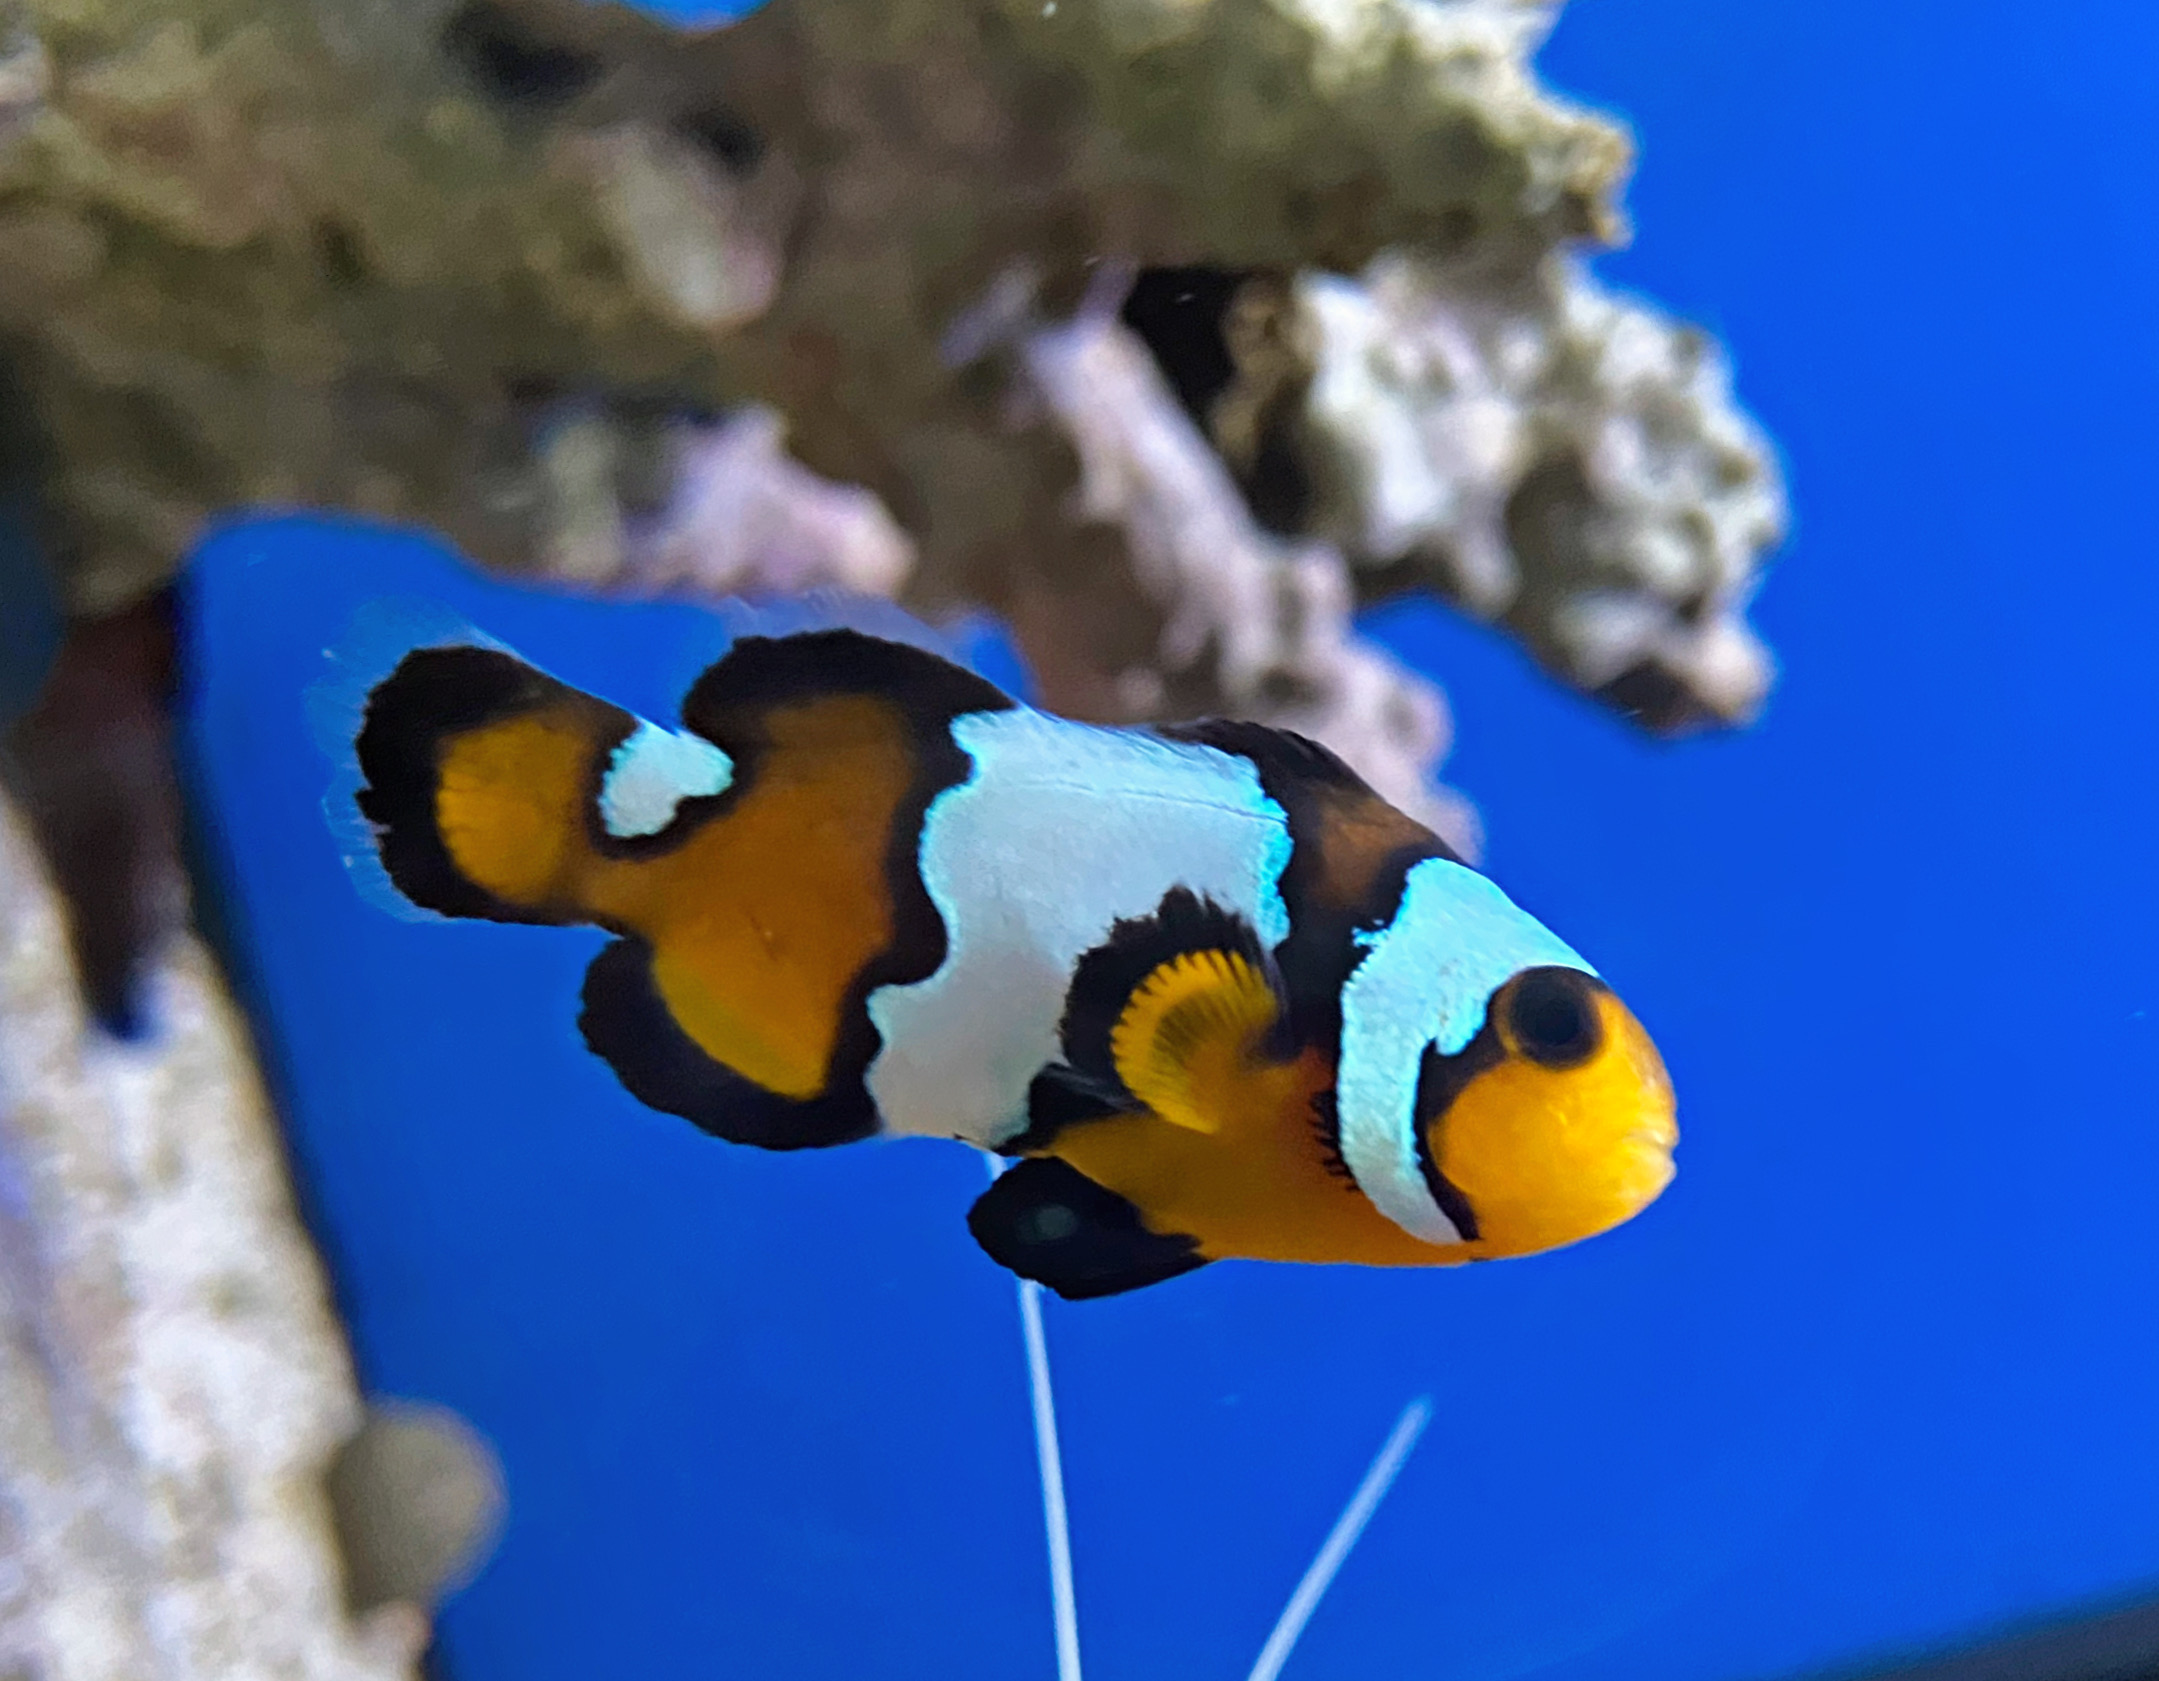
[1880, 1371]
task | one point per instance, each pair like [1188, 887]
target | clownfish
[1210, 994]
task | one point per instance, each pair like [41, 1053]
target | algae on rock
[410, 261]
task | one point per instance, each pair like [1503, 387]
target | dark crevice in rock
[1277, 485]
[715, 129]
[509, 62]
[91, 763]
[1183, 316]
[1656, 699]
[1179, 313]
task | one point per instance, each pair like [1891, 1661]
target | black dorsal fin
[1048, 1221]
[761, 672]
[1273, 750]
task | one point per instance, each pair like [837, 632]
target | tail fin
[381, 637]
[480, 770]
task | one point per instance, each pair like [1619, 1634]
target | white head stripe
[652, 773]
[1454, 941]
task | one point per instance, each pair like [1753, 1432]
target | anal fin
[1047, 1221]
[627, 1024]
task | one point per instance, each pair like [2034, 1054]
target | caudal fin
[480, 774]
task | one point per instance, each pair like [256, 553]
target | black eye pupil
[1552, 1017]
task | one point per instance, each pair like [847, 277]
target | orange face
[1568, 1130]
[1557, 1125]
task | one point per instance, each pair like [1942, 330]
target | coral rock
[173, 1383]
[1545, 454]
[538, 273]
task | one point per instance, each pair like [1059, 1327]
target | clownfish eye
[1551, 1017]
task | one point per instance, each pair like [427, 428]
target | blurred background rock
[172, 1379]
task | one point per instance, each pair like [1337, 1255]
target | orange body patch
[760, 921]
[1258, 1187]
[510, 802]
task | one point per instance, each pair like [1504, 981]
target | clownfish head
[1556, 1124]
[1494, 1097]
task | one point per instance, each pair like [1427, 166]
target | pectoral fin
[1049, 1222]
[1173, 1011]
[1188, 1032]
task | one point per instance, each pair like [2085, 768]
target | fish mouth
[1658, 1137]
[1650, 1148]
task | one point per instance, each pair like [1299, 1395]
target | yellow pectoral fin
[1188, 1034]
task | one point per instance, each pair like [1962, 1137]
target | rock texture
[172, 1383]
[525, 270]
[1543, 453]
[1229, 617]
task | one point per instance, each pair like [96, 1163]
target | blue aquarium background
[1879, 1374]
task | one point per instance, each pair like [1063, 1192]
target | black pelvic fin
[1048, 1221]
[627, 1025]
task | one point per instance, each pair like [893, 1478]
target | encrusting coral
[173, 1384]
[1169, 330]
[1541, 452]
[497, 268]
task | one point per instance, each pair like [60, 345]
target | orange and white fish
[1218, 997]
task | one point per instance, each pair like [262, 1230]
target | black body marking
[1439, 1081]
[762, 672]
[1327, 1127]
[627, 1026]
[1280, 756]
[731, 700]
[1305, 779]
[1048, 1221]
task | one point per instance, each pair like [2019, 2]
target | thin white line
[1062, 1599]
[1342, 1537]
[1064, 1604]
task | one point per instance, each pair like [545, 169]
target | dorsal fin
[762, 672]
[1271, 749]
